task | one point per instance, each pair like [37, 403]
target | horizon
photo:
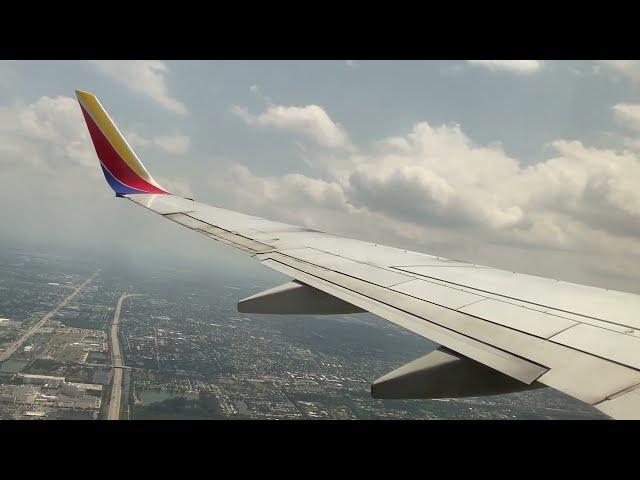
[526, 166]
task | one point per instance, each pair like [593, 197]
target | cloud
[628, 68]
[436, 174]
[147, 77]
[49, 137]
[45, 133]
[521, 67]
[431, 188]
[135, 139]
[55, 195]
[596, 186]
[176, 144]
[288, 189]
[293, 198]
[628, 114]
[434, 185]
[177, 186]
[310, 121]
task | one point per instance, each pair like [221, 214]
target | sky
[527, 165]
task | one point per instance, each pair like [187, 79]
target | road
[115, 399]
[18, 343]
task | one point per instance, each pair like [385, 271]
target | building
[77, 389]
[41, 379]
[36, 414]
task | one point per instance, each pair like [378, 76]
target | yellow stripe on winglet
[111, 132]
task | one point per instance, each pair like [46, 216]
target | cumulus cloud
[291, 189]
[596, 186]
[45, 133]
[310, 121]
[628, 114]
[294, 198]
[434, 184]
[436, 174]
[432, 188]
[521, 67]
[147, 77]
[628, 68]
[54, 192]
[135, 139]
[175, 144]
[177, 186]
[49, 137]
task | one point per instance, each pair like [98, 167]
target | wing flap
[444, 296]
[623, 406]
[614, 346]
[514, 366]
[617, 307]
[570, 370]
[526, 320]
[376, 275]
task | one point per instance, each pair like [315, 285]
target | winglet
[123, 170]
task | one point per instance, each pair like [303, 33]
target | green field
[12, 366]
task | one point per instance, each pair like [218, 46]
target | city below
[84, 340]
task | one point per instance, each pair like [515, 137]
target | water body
[242, 407]
[155, 396]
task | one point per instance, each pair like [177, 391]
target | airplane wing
[499, 331]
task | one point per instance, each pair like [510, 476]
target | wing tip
[84, 94]
[123, 171]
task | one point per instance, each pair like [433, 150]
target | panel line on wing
[570, 370]
[444, 296]
[547, 308]
[612, 346]
[234, 239]
[409, 312]
[517, 367]
[408, 296]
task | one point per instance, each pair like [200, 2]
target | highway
[115, 399]
[18, 343]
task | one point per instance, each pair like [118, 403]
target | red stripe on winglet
[112, 160]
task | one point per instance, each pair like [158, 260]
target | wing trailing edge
[296, 298]
[444, 373]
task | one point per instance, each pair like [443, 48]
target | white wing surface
[581, 340]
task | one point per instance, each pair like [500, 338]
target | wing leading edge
[581, 340]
